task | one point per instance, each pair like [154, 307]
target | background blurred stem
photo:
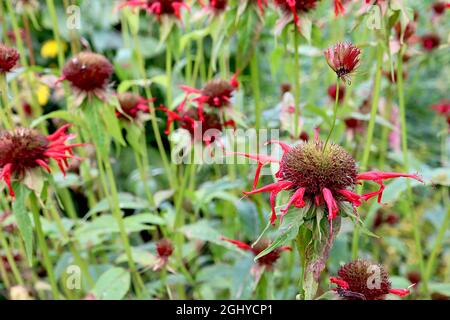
[410, 200]
[296, 83]
[43, 245]
[335, 109]
[369, 137]
[254, 74]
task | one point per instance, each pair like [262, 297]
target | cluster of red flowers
[216, 95]
[159, 7]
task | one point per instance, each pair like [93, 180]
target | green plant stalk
[4, 276]
[415, 222]
[335, 109]
[302, 259]
[143, 175]
[55, 28]
[437, 246]
[254, 74]
[10, 258]
[385, 131]
[72, 243]
[169, 71]
[369, 137]
[5, 110]
[43, 245]
[29, 83]
[162, 152]
[296, 84]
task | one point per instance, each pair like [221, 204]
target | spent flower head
[8, 58]
[364, 280]
[343, 58]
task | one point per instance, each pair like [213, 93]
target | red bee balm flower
[164, 248]
[343, 58]
[430, 41]
[159, 7]
[216, 6]
[332, 92]
[319, 176]
[132, 104]
[363, 280]
[8, 58]
[439, 7]
[88, 72]
[216, 93]
[269, 259]
[296, 7]
[22, 150]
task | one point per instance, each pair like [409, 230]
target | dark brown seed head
[8, 58]
[308, 166]
[366, 281]
[21, 148]
[88, 71]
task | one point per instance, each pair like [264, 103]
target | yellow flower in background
[43, 94]
[50, 49]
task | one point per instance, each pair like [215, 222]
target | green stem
[296, 84]
[437, 246]
[369, 138]
[43, 245]
[5, 109]
[10, 258]
[413, 213]
[254, 74]
[336, 103]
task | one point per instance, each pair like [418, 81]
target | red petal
[400, 292]
[379, 175]
[239, 244]
[341, 283]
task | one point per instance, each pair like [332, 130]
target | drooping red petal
[380, 175]
[239, 244]
[297, 199]
[338, 8]
[6, 175]
[341, 283]
[333, 209]
[43, 164]
[354, 198]
[283, 145]
[400, 292]
[274, 189]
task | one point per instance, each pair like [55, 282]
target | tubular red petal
[283, 145]
[380, 175]
[43, 164]
[6, 175]
[331, 203]
[341, 283]
[400, 292]
[297, 198]
[239, 244]
[354, 198]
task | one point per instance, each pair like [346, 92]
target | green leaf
[112, 285]
[23, 218]
[60, 114]
[288, 229]
[126, 201]
[108, 114]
